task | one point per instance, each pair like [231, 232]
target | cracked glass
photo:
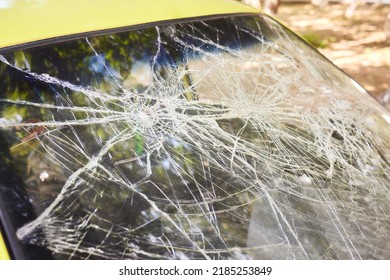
[225, 138]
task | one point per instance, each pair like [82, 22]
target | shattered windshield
[219, 139]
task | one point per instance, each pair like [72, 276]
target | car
[198, 129]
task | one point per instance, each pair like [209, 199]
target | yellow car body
[3, 249]
[24, 22]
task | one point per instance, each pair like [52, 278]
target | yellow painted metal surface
[23, 21]
[3, 249]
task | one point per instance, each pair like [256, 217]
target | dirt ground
[357, 45]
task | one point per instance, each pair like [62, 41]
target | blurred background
[353, 34]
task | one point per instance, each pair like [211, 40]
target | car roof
[26, 21]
